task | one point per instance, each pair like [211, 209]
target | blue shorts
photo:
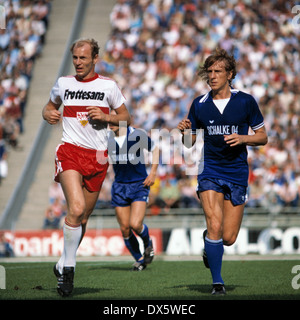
[234, 192]
[123, 194]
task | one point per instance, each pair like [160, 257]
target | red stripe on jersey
[71, 111]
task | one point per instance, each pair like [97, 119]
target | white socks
[72, 236]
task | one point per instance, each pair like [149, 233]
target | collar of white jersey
[209, 96]
[94, 77]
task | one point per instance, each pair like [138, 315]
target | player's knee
[229, 240]
[214, 229]
[76, 212]
[125, 230]
[136, 226]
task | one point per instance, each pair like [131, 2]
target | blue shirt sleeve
[256, 119]
[193, 117]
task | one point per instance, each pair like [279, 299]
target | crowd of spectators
[21, 41]
[154, 52]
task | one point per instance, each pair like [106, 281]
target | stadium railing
[254, 218]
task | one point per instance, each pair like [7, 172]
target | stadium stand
[154, 51]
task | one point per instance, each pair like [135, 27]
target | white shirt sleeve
[55, 94]
[116, 98]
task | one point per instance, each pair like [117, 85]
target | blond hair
[93, 43]
[218, 55]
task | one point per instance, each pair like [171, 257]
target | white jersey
[76, 95]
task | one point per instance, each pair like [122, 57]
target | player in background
[225, 115]
[81, 160]
[131, 187]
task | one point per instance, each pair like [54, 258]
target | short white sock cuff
[213, 241]
[71, 226]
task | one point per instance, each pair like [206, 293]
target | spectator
[6, 249]
[288, 194]
[256, 194]
[188, 197]
[169, 195]
[53, 215]
[55, 192]
[3, 157]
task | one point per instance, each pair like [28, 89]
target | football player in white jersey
[81, 160]
[225, 115]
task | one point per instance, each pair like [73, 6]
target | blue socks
[132, 243]
[145, 235]
[133, 246]
[214, 252]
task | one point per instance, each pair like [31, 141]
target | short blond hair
[92, 42]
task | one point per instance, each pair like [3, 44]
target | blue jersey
[128, 157]
[220, 160]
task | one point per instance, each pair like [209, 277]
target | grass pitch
[162, 280]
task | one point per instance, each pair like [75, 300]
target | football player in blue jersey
[131, 187]
[225, 115]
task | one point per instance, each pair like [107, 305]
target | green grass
[167, 280]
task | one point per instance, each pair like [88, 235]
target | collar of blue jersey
[208, 95]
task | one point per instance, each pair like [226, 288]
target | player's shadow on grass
[202, 288]
[78, 291]
[113, 268]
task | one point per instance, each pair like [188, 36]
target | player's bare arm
[50, 112]
[188, 139]
[122, 114]
[149, 181]
[257, 139]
